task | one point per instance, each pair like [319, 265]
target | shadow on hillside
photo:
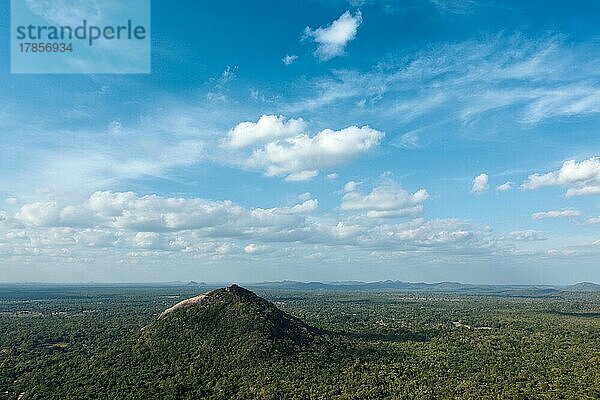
[583, 314]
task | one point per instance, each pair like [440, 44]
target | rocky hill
[231, 317]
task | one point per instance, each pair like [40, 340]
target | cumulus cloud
[266, 129]
[289, 59]
[307, 207]
[152, 213]
[110, 204]
[570, 212]
[281, 147]
[443, 235]
[332, 176]
[580, 178]
[302, 156]
[97, 237]
[145, 226]
[51, 214]
[505, 187]
[389, 200]
[333, 38]
[480, 184]
[150, 240]
[145, 229]
[39, 214]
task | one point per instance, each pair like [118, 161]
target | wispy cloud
[530, 81]
[524, 236]
[566, 213]
[67, 12]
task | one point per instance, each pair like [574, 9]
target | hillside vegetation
[232, 344]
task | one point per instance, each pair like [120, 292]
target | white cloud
[409, 140]
[351, 186]
[289, 59]
[110, 204]
[39, 214]
[592, 221]
[561, 252]
[580, 178]
[524, 236]
[129, 212]
[253, 248]
[11, 201]
[302, 156]
[128, 222]
[267, 129]
[576, 99]
[505, 187]
[333, 38]
[228, 74]
[301, 176]
[72, 169]
[480, 184]
[389, 200]
[147, 229]
[332, 176]
[57, 237]
[17, 235]
[586, 190]
[304, 208]
[518, 80]
[443, 235]
[556, 214]
[304, 196]
[149, 240]
[97, 238]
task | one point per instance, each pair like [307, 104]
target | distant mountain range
[584, 287]
[431, 287]
[456, 287]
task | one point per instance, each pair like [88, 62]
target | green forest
[108, 343]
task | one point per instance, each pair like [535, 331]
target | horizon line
[254, 283]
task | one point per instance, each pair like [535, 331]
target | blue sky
[314, 140]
